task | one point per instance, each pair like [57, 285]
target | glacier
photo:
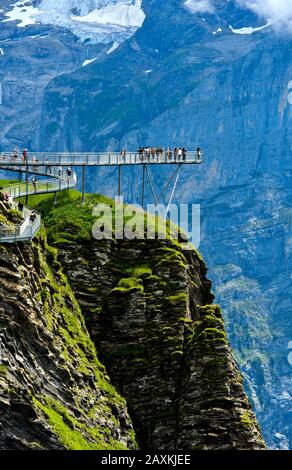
[94, 20]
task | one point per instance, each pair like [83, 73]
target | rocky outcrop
[54, 393]
[148, 308]
[145, 309]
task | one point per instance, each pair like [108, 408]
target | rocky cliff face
[54, 393]
[148, 308]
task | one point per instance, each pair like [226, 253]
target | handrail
[52, 163]
[40, 159]
[31, 225]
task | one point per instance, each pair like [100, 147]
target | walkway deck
[98, 159]
[26, 231]
[51, 165]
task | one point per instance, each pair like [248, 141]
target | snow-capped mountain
[95, 20]
[42, 39]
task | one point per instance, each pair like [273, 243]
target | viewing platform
[100, 159]
[54, 178]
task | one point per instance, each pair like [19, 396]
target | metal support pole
[151, 186]
[172, 193]
[26, 181]
[143, 185]
[55, 200]
[169, 182]
[83, 183]
[19, 176]
[120, 181]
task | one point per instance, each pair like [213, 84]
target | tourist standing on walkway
[147, 153]
[15, 154]
[32, 217]
[123, 154]
[25, 155]
[34, 183]
[199, 153]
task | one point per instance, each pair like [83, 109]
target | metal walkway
[100, 159]
[58, 181]
[52, 165]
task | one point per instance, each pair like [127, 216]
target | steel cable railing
[36, 159]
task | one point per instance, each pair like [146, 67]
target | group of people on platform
[16, 153]
[176, 154]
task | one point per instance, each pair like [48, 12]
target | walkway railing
[101, 159]
[23, 232]
[51, 165]
[32, 219]
[52, 185]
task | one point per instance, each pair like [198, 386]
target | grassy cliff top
[70, 221]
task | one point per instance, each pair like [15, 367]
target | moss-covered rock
[149, 311]
[55, 393]
[164, 343]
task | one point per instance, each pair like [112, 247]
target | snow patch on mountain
[113, 47]
[95, 20]
[23, 13]
[250, 30]
[88, 62]
[278, 12]
[122, 14]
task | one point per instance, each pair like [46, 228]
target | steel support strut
[83, 183]
[156, 198]
[119, 180]
[26, 181]
[172, 193]
[143, 186]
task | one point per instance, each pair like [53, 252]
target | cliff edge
[145, 310]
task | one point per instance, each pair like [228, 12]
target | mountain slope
[97, 21]
[38, 42]
[54, 393]
[227, 92]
